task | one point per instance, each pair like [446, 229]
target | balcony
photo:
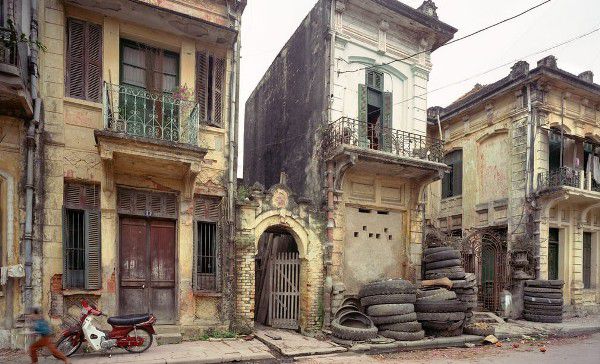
[15, 99]
[568, 179]
[138, 113]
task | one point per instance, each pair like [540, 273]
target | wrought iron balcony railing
[370, 136]
[138, 112]
[564, 176]
[8, 47]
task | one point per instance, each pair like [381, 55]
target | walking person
[42, 328]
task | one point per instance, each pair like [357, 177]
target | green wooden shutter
[363, 140]
[93, 267]
[386, 122]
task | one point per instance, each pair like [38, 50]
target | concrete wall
[73, 155]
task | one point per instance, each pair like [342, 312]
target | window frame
[452, 181]
[208, 210]
[86, 87]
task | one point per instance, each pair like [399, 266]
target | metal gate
[484, 253]
[284, 301]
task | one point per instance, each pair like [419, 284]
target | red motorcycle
[130, 332]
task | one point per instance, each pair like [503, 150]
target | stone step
[167, 329]
[164, 339]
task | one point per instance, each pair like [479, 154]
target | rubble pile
[543, 300]
[440, 312]
[390, 305]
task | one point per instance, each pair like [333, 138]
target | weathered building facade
[345, 119]
[140, 122]
[522, 155]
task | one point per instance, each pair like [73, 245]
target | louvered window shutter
[93, 268]
[386, 122]
[363, 140]
[84, 60]
[219, 82]
[202, 84]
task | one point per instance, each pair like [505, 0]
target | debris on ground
[490, 339]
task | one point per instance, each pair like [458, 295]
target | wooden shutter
[76, 62]
[93, 266]
[457, 174]
[202, 83]
[146, 203]
[386, 122]
[207, 208]
[219, 83]
[363, 140]
[81, 196]
[84, 60]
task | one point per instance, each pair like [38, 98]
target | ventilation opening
[385, 230]
[370, 235]
[364, 211]
[356, 234]
[383, 212]
[364, 228]
[377, 236]
[390, 237]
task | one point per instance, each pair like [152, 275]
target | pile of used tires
[466, 291]
[440, 312]
[390, 305]
[443, 261]
[543, 300]
[350, 325]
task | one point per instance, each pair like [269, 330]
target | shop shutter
[386, 122]
[93, 267]
[363, 140]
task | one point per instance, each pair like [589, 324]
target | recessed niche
[356, 234]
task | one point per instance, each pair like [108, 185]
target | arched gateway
[278, 260]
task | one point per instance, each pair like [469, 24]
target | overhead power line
[450, 42]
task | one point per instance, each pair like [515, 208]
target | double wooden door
[147, 267]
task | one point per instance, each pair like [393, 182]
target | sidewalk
[188, 352]
[568, 328]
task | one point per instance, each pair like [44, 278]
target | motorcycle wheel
[68, 345]
[143, 334]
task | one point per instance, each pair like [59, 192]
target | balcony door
[149, 77]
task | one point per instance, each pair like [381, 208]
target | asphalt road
[579, 350]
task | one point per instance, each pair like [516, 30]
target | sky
[482, 58]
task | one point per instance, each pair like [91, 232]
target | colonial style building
[523, 152]
[140, 120]
[345, 120]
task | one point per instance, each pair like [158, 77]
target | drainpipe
[328, 284]
[31, 145]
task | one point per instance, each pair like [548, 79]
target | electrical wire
[450, 42]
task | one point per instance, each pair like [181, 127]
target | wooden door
[147, 268]
[553, 254]
[587, 260]
[284, 302]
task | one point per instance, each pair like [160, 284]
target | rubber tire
[449, 333]
[443, 325]
[542, 290]
[384, 320]
[468, 297]
[342, 310]
[543, 318]
[555, 296]
[392, 286]
[465, 291]
[341, 331]
[542, 306]
[555, 301]
[429, 251]
[353, 301]
[443, 255]
[440, 306]
[412, 326]
[474, 330]
[455, 269]
[147, 347]
[440, 316]
[442, 296]
[390, 309]
[442, 275]
[63, 338]
[543, 312]
[403, 336]
[426, 292]
[555, 283]
[443, 264]
[390, 298]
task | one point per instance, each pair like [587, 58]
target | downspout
[31, 145]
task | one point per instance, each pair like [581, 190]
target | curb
[435, 343]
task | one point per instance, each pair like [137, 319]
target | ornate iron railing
[138, 112]
[564, 176]
[369, 136]
[8, 47]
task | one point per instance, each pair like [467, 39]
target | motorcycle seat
[126, 320]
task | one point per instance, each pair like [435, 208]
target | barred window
[207, 240]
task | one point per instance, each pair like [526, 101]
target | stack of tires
[390, 304]
[440, 312]
[543, 300]
[350, 325]
[443, 261]
[466, 291]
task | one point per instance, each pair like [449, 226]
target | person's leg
[35, 347]
[57, 354]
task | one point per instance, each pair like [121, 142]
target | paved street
[558, 351]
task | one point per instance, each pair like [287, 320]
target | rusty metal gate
[484, 253]
[284, 301]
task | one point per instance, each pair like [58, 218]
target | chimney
[518, 69]
[549, 61]
[587, 76]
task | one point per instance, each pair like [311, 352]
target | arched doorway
[277, 279]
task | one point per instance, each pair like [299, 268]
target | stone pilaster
[245, 270]
[577, 265]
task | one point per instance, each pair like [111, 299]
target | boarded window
[84, 60]
[452, 181]
[207, 241]
[210, 86]
[81, 236]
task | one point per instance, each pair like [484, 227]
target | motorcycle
[130, 332]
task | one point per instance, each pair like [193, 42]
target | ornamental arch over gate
[267, 214]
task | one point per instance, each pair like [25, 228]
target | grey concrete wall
[287, 108]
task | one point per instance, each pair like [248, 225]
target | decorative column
[577, 264]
